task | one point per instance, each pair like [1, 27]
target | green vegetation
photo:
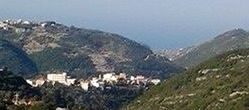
[29, 49]
[49, 97]
[74, 50]
[218, 83]
[152, 66]
[75, 98]
[15, 59]
[10, 85]
[53, 59]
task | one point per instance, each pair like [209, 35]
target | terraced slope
[84, 52]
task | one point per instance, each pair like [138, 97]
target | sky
[160, 24]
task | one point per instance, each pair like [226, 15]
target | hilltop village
[96, 81]
[20, 26]
[71, 67]
[24, 25]
[108, 84]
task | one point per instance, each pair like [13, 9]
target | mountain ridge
[82, 52]
[230, 40]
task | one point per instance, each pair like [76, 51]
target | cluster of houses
[8, 24]
[112, 78]
[62, 78]
[97, 82]
[23, 26]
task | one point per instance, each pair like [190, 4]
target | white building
[59, 108]
[107, 77]
[26, 22]
[43, 25]
[110, 77]
[30, 82]
[114, 79]
[40, 82]
[70, 81]
[132, 78]
[61, 78]
[2, 24]
[155, 81]
[140, 79]
[94, 82]
[122, 76]
[37, 82]
[84, 85]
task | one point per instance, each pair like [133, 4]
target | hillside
[175, 53]
[82, 52]
[218, 83]
[231, 40]
[15, 59]
[17, 94]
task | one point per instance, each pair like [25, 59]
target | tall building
[61, 78]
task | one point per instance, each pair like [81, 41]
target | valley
[62, 67]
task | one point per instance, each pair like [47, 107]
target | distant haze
[161, 24]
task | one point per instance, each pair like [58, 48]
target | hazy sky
[157, 23]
